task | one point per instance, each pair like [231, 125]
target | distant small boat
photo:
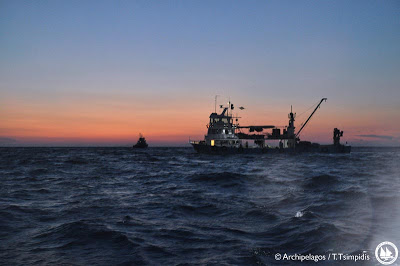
[141, 143]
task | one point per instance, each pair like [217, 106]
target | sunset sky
[100, 72]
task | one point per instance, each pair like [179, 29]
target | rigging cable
[313, 106]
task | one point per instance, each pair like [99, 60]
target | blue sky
[267, 54]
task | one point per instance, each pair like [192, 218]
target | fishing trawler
[225, 135]
[141, 143]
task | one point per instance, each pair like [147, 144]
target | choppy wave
[171, 206]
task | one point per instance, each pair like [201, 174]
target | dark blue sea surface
[169, 206]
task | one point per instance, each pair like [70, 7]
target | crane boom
[298, 133]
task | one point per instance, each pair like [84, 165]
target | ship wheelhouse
[222, 130]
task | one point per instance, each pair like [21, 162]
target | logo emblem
[386, 253]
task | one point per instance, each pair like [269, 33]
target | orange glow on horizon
[174, 123]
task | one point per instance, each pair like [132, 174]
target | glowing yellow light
[212, 142]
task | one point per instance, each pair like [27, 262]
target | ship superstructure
[222, 130]
[141, 143]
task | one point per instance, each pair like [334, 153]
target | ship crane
[308, 119]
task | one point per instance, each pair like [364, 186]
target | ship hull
[207, 149]
[140, 146]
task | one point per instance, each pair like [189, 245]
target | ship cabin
[221, 130]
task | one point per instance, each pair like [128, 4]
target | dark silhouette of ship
[225, 136]
[141, 143]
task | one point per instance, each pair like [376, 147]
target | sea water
[168, 206]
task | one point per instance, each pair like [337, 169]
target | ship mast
[215, 104]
